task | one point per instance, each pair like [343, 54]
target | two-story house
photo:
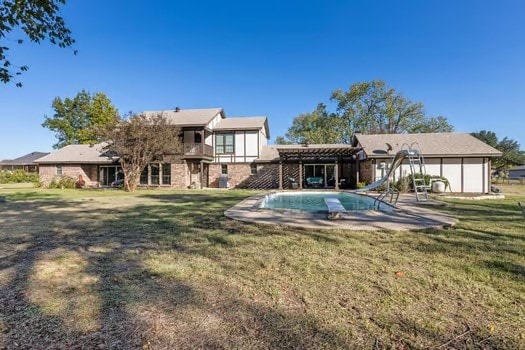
[217, 152]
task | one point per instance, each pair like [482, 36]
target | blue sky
[464, 60]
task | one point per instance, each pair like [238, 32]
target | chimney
[177, 109]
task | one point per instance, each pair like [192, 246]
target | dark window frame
[222, 147]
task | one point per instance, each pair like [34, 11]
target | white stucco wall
[473, 174]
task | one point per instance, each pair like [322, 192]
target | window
[224, 144]
[166, 174]
[224, 169]
[197, 138]
[59, 170]
[144, 176]
[253, 169]
[155, 174]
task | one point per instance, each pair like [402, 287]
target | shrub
[17, 176]
[406, 184]
[62, 182]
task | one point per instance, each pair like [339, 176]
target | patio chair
[522, 206]
[292, 183]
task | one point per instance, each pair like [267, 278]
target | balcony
[197, 150]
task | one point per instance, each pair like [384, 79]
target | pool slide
[398, 159]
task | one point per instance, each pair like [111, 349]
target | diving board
[335, 208]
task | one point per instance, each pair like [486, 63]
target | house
[216, 151]
[461, 158]
[233, 152]
[26, 162]
[517, 172]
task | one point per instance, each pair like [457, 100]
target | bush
[405, 184]
[62, 182]
[17, 176]
[360, 185]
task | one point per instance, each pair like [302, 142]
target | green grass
[166, 269]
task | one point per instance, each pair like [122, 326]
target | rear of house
[216, 151]
[233, 153]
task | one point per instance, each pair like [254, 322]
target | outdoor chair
[292, 183]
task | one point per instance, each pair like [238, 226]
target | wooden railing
[198, 149]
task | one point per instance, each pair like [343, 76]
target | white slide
[398, 159]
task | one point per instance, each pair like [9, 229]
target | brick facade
[238, 174]
[88, 172]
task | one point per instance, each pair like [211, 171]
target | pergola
[302, 153]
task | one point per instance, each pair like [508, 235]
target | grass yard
[165, 269]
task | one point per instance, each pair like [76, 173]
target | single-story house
[233, 152]
[462, 159]
[26, 162]
[517, 172]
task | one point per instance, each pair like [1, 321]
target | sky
[464, 60]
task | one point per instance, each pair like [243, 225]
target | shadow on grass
[136, 307]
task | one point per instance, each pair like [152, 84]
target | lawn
[166, 269]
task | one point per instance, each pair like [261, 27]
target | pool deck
[409, 215]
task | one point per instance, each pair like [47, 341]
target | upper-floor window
[197, 138]
[224, 143]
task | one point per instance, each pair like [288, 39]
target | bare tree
[140, 140]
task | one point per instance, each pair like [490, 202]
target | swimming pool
[314, 201]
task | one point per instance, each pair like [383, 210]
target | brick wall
[89, 173]
[238, 174]
[179, 175]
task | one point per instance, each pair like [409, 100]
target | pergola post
[201, 167]
[280, 174]
[300, 174]
[336, 171]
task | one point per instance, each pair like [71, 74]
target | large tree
[81, 119]
[38, 20]
[140, 140]
[510, 149]
[367, 107]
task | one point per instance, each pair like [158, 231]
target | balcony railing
[198, 149]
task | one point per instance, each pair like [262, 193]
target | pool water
[314, 201]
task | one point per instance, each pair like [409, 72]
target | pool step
[335, 208]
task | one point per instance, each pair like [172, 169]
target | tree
[510, 149]
[367, 107]
[320, 126]
[140, 140]
[39, 20]
[81, 119]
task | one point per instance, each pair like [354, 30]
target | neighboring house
[26, 162]
[214, 148]
[517, 172]
[461, 158]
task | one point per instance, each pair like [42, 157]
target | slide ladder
[418, 170]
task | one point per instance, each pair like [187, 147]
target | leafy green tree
[81, 119]
[320, 126]
[510, 149]
[139, 141]
[39, 20]
[367, 107]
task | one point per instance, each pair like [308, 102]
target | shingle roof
[430, 144]
[24, 160]
[188, 117]
[78, 154]
[244, 123]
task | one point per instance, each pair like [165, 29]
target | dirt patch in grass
[166, 270]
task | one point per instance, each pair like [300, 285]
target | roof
[188, 117]
[24, 160]
[430, 144]
[276, 152]
[244, 123]
[77, 154]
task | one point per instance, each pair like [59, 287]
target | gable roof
[24, 160]
[430, 144]
[188, 117]
[244, 123]
[76, 154]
